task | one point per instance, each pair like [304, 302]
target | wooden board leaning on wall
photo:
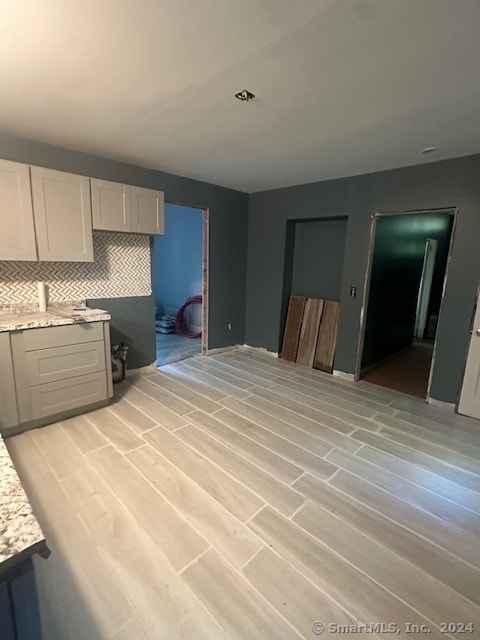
[311, 332]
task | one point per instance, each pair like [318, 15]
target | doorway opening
[405, 283]
[179, 273]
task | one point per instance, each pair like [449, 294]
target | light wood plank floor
[172, 348]
[239, 496]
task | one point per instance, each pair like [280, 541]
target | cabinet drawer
[66, 334]
[48, 365]
[63, 395]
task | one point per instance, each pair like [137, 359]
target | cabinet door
[60, 363]
[8, 398]
[17, 237]
[63, 217]
[63, 395]
[46, 337]
[111, 210]
[147, 211]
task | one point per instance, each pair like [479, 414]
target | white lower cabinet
[68, 361]
[56, 397]
[8, 395]
[57, 371]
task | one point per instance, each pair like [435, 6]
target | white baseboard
[343, 375]
[212, 352]
[262, 349]
[448, 406]
[141, 371]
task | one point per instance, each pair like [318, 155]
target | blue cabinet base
[19, 611]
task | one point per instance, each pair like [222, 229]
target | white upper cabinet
[111, 205]
[17, 237]
[63, 216]
[122, 207]
[147, 211]
[47, 215]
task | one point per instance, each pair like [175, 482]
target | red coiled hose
[180, 326]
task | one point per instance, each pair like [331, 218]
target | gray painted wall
[131, 323]
[450, 183]
[313, 262]
[227, 239]
[318, 258]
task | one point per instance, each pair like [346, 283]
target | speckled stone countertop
[20, 533]
[50, 318]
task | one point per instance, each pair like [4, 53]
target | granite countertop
[20, 533]
[51, 318]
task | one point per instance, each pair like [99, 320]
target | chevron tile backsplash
[121, 269]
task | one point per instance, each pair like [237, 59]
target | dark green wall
[450, 183]
[397, 264]
[228, 234]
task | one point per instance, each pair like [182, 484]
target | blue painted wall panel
[177, 258]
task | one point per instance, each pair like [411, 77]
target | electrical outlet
[229, 326]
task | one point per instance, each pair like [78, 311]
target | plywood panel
[293, 325]
[327, 337]
[309, 332]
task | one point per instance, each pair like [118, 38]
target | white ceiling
[342, 86]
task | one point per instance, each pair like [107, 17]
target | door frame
[205, 268]
[368, 273]
[467, 354]
[205, 276]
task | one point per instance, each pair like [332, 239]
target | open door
[425, 289]
[469, 403]
[405, 281]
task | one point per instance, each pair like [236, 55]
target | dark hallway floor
[407, 372]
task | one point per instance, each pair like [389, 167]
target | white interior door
[469, 403]
[425, 286]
